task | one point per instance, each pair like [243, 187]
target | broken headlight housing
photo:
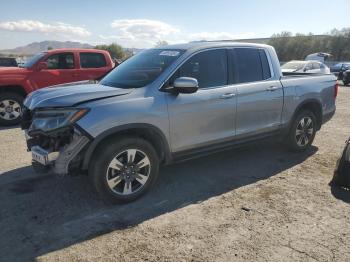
[46, 120]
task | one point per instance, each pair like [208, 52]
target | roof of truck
[87, 50]
[210, 44]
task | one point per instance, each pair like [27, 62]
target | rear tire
[10, 108]
[124, 169]
[345, 82]
[302, 131]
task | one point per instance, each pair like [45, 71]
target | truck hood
[71, 95]
[11, 71]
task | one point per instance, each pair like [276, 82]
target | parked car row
[342, 71]
[8, 62]
[48, 69]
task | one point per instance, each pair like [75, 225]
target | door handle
[75, 74]
[272, 88]
[227, 96]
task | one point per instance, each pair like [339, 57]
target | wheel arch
[148, 132]
[314, 106]
[17, 89]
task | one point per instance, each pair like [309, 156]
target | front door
[61, 69]
[207, 116]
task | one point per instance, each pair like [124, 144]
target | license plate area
[42, 156]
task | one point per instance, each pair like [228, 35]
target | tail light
[336, 89]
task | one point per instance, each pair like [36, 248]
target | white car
[296, 66]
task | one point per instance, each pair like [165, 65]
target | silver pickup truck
[169, 104]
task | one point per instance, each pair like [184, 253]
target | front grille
[26, 116]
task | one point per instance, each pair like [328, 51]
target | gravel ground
[258, 203]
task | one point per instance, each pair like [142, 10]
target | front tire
[302, 131]
[123, 170]
[10, 108]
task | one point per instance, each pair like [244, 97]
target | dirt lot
[259, 203]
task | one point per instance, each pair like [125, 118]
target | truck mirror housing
[186, 85]
[42, 66]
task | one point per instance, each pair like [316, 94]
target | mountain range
[37, 47]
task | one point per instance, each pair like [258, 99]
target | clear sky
[140, 24]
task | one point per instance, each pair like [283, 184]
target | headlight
[48, 120]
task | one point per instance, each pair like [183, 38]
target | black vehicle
[338, 69]
[342, 173]
[8, 62]
[346, 77]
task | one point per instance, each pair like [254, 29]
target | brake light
[336, 89]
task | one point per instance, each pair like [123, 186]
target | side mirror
[306, 69]
[42, 66]
[186, 85]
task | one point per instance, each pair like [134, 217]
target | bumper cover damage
[59, 152]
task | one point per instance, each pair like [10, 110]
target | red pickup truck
[45, 69]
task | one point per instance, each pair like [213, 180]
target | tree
[289, 47]
[161, 43]
[49, 48]
[115, 50]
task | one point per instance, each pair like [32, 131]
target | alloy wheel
[9, 109]
[128, 172]
[304, 131]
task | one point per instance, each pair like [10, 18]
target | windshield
[293, 65]
[33, 60]
[141, 69]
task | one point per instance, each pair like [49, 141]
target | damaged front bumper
[60, 152]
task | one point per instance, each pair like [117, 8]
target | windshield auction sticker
[169, 53]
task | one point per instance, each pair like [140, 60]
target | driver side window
[60, 61]
[208, 67]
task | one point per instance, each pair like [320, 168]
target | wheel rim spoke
[131, 155]
[299, 132]
[15, 114]
[5, 116]
[141, 178]
[116, 164]
[127, 188]
[5, 103]
[309, 122]
[113, 182]
[143, 162]
[300, 140]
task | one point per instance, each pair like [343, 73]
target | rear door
[60, 69]
[92, 66]
[207, 116]
[259, 92]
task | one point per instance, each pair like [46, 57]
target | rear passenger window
[92, 60]
[249, 65]
[265, 65]
[208, 67]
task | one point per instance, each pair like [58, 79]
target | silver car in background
[310, 67]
